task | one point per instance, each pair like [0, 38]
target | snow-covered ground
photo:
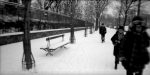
[87, 56]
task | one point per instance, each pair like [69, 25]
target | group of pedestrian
[131, 48]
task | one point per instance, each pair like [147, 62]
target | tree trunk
[139, 5]
[72, 37]
[97, 18]
[27, 58]
[85, 33]
[125, 19]
[96, 27]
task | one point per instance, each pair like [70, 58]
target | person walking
[102, 31]
[133, 53]
[116, 40]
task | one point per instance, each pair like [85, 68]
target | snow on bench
[50, 48]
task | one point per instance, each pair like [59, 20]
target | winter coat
[102, 30]
[134, 50]
[117, 42]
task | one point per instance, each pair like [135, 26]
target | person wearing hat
[116, 40]
[133, 51]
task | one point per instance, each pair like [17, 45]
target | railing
[18, 36]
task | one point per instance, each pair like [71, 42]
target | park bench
[50, 48]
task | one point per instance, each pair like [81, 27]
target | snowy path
[87, 56]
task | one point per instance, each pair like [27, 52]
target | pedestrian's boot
[115, 66]
[116, 63]
[138, 73]
[129, 72]
[103, 40]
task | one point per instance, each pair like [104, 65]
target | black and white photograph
[74, 37]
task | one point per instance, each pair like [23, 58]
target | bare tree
[100, 6]
[89, 11]
[128, 9]
[48, 3]
[126, 5]
[40, 3]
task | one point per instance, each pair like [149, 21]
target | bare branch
[39, 2]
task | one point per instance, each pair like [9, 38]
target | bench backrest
[53, 37]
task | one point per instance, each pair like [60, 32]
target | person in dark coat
[133, 53]
[102, 31]
[116, 40]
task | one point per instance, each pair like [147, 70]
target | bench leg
[45, 49]
[49, 53]
[64, 47]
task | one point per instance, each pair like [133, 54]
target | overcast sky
[147, 6]
[111, 8]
